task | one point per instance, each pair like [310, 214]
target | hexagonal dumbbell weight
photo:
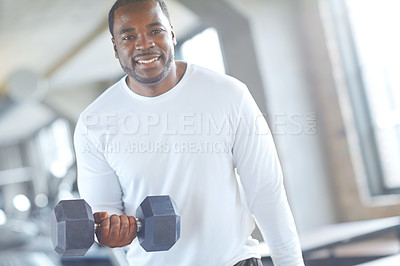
[73, 225]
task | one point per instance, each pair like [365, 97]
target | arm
[260, 173]
[99, 186]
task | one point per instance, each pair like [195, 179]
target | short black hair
[120, 3]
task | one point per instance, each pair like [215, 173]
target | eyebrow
[126, 30]
[154, 24]
[151, 25]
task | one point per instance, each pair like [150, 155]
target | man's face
[143, 41]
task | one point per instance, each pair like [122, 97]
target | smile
[148, 61]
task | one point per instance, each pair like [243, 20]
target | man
[173, 128]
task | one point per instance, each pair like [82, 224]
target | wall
[293, 110]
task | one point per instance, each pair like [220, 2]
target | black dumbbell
[73, 225]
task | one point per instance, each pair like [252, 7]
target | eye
[157, 31]
[128, 38]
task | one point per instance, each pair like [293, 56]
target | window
[375, 25]
[368, 39]
[204, 50]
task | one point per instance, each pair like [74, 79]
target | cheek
[124, 54]
[169, 45]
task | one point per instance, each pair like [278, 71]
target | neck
[151, 90]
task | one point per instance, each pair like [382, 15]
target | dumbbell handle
[139, 225]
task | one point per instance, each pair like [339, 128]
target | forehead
[138, 14]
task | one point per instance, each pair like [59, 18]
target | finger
[100, 216]
[115, 224]
[103, 231]
[124, 230]
[132, 229]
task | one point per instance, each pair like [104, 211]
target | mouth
[145, 60]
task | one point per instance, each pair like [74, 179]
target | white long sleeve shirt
[206, 144]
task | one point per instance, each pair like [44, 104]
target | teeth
[148, 61]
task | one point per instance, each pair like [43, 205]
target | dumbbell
[73, 225]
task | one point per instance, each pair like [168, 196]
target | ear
[115, 48]
[174, 41]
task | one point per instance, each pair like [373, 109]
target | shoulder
[106, 100]
[214, 76]
[215, 81]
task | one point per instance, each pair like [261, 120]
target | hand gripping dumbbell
[73, 226]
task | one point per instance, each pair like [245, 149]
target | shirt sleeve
[260, 173]
[97, 182]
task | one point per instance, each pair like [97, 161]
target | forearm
[277, 226]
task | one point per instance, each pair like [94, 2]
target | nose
[144, 42]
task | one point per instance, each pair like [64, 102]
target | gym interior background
[325, 74]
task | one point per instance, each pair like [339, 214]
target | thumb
[100, 216]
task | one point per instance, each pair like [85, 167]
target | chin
[147, 80]
[150, 79]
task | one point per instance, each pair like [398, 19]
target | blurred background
[325, 73]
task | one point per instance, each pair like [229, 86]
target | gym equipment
[73, 226]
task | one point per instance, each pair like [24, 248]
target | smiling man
[144, 44]
[146, 135]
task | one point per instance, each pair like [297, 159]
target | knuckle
[124, 226]
[115, 220]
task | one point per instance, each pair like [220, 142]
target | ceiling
[65, 41]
